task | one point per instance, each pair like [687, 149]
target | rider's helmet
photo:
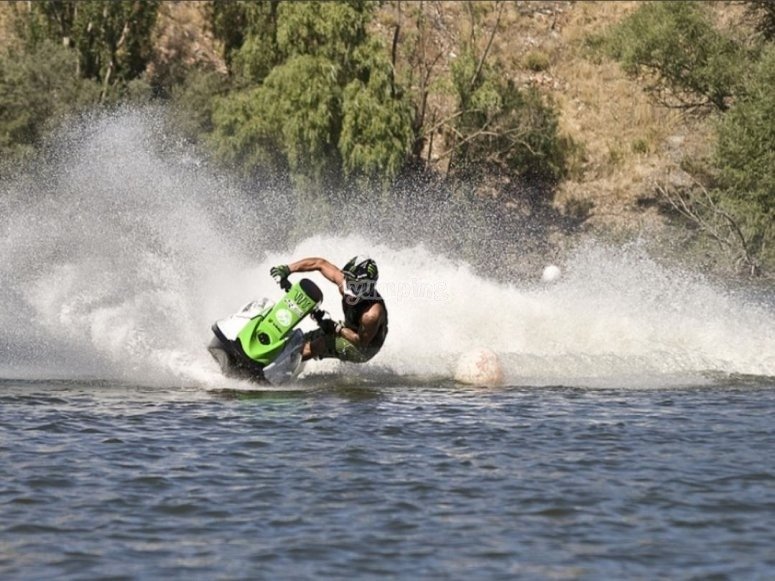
[360, 275]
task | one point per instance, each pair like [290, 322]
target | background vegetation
[693, 65]
[385, 102]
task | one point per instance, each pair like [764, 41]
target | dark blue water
[402, 480]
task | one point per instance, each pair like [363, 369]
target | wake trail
[120, 249]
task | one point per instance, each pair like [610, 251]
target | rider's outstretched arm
[322, 265]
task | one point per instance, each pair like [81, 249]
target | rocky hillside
[629, 143]
[626, 142]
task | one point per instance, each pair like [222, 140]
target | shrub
[38, 88]
[536, 61]
[677, 43]
[745, 155]
[503, 129]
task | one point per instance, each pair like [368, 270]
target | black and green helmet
[361, 269]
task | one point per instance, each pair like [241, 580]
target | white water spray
[120, 251]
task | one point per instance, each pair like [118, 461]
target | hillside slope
[626, 143]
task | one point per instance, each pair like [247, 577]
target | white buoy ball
[551, 273]
[479, 367]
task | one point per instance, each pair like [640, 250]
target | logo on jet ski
[292, 305]
[284, 317]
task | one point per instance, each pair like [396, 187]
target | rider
[360, 336]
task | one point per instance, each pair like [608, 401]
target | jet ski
[261, 341]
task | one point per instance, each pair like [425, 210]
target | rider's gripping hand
[280, 272]
[330, 327]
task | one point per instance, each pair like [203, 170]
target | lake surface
[634, 438]
[387, 478]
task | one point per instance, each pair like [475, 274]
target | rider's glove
[330, 327]
[280, 272]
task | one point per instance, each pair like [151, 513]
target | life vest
[354, 312]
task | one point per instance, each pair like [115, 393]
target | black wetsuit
[352, 320]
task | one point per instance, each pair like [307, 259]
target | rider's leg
[315, 347]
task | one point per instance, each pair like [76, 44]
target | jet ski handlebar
[318, 314]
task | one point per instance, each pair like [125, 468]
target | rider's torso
[354, 312]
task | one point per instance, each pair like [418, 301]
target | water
[631, 437]
[403, 481]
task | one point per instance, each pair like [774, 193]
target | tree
[745, 157]
[113, 39]
[497, 128]
[501, 129]
[248, 32]
[228, 23]
[193, 101]
[690, 62]
[717, 220]
[334, 31]
[330, 107]
[37, 88]
[734, 202]
[303, 100]
[377, 132]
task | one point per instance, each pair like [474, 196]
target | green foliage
[37, 88]
[113, 39]
[502, 128]
[377, 130]
[248, 31]
[331, 30]
[255, 59]
[193, 102]
[304, 100]
[746, 145]
[227, 20]
[745, 155]
[258, 36]
[244, 136]
[676, 41]
[329, 110]
[46, 20]
[294, 114]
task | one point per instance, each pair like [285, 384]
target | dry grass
[627, 141]
[7, 35]
[622, 130]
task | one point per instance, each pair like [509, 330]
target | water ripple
[403, 482]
